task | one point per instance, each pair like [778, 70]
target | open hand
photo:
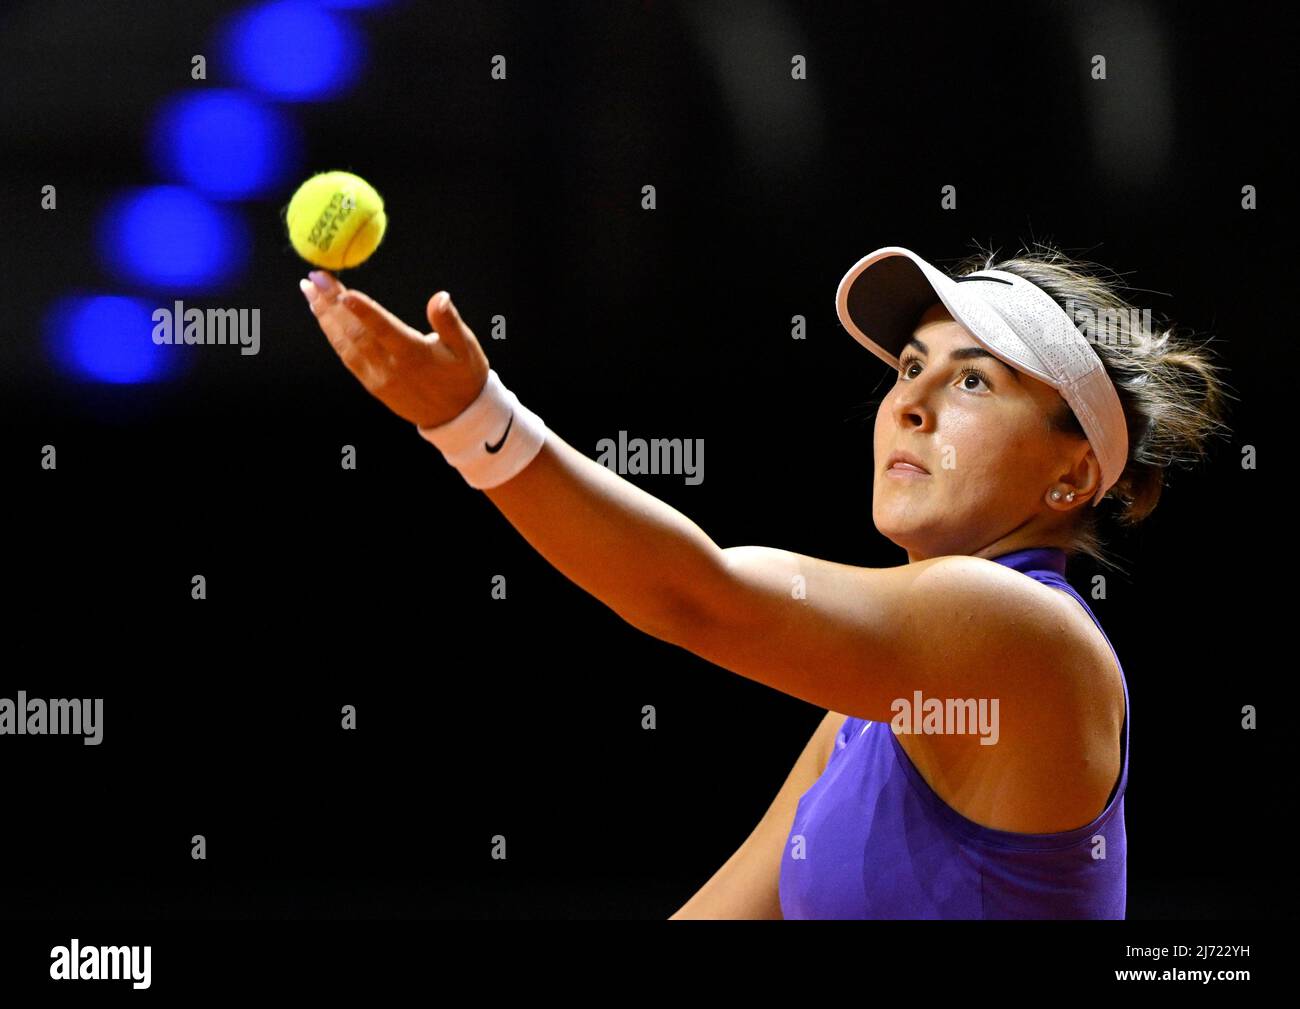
[427, 379]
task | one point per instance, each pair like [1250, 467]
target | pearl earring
[1056, 496]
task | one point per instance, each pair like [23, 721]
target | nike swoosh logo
[497, 447]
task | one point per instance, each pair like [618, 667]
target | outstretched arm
[630, 550]
[633, 552]
[844, 638]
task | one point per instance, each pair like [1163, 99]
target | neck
[1019, 540]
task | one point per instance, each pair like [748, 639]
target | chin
[907, 526]
[902, 530]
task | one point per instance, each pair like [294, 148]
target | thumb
[447, 323]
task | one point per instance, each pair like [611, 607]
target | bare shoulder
[1033, 641]
[1057, 661]
[855, 639]
[1055, 768]
[1098, 677]
[1022, 610]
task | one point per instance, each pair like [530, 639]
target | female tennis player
[973, 758]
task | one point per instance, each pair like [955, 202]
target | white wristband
[492, 439]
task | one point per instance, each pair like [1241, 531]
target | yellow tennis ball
[336, 220]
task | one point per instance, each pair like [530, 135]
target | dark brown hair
[1171, 389]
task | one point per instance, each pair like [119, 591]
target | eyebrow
[965, 354]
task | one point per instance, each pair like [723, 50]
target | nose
[910, 408]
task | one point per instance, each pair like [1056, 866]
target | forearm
[631, 551]
[637, 555]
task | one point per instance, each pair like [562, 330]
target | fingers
[388, 328]
[447, 323]
[372, 366]
[355, 342]
[327, 284]
[322, 292]
[325, 296]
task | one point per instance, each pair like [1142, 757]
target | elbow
[682, 613]
[676, 621]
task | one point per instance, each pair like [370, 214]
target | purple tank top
[872, 840]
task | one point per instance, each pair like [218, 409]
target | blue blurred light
[293, 50]
[166, 236]
[108, 338]
[352, 4]
[224, 144]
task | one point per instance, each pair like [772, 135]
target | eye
[907, 363]
[972, 372]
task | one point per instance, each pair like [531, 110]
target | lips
[906, 462]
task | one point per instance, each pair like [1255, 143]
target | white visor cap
[883, 296]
